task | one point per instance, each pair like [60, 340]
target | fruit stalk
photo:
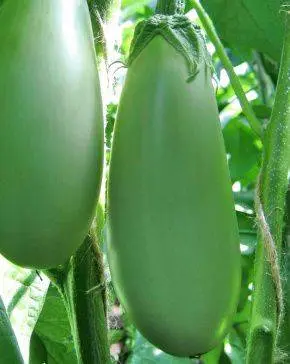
[170, 7]
[104, 7]
[103, 18]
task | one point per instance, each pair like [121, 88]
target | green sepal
[178, 30]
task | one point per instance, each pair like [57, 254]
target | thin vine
[234, 79]
[28, 281]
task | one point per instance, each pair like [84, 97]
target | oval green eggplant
[172, 233]
[51, 130]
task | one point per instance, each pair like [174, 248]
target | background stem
[263, 329]
[235, 82]
[21, 291]
[265, 83]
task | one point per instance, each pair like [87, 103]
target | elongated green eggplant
[172, 232]
[51, 130]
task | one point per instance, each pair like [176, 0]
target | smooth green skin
[172, 232]
[51, 130]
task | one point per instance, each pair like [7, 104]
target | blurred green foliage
[246, 25]
[252, 33]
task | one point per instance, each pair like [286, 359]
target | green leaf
[135, 9]
[248, 24]
[262, 111]
[139, 3]
[111, 117]
[243, 151]
[9, 350]
[116, 335]
[38, 353]
[53, 332]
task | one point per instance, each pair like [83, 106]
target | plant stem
[21, 291]
[104, 7]
[213, 356]
[84, 290]
[101, 12]
[98, 27]
[170, 7]
[266, 310]
[235, 82]
[284, 339]
[82, 285]
[265, 82]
